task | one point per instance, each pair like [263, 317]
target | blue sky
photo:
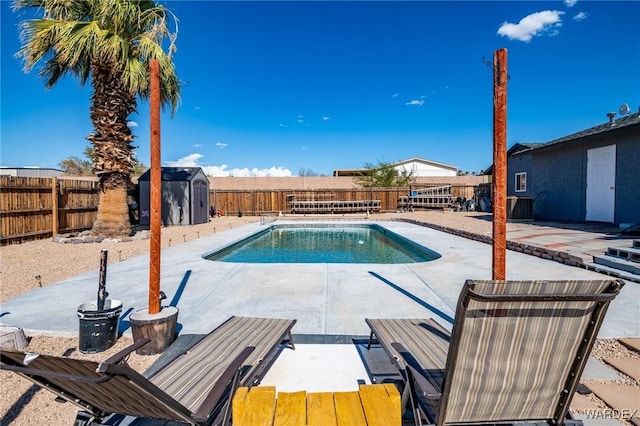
[275, 87]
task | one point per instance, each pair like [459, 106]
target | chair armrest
[428, 390]
[415, 371]
[120, 356]
[216, 392]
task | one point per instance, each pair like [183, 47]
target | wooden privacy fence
[256, 202]
[35, 208]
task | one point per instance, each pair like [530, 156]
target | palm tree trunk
[113, 156]
[113, 214]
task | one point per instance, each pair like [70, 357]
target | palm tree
[111, 43]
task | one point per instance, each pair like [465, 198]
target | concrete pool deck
[329, 301]
[326, 299]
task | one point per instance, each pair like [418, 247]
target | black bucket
[98, 329]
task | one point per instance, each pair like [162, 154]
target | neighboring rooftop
[29, 172]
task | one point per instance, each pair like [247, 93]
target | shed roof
[517, 147]
[174, 174]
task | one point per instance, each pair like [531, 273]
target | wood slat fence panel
[256, 202]
[27, 207]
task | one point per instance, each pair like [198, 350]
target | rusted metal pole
[102, 280]
[156, 191]
[499, 184]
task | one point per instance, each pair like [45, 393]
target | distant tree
[384, 175]
[77, 166]
[307, 172]
[110, 44]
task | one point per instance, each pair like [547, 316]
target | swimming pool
[324, 243]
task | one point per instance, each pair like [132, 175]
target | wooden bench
[377, 404]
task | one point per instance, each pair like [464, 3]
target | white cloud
[326, 118]
[197, 108]
[570, 3]
[272, 171]
[191, 160]
[580, 16]
[416, 102]
[196, 145]
[395, 95]
[532, 25]
[300, 119]
[132, 124]
[221, 145]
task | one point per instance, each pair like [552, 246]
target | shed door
[200, 202]
[601, 183]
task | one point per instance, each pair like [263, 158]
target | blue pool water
[324, 244]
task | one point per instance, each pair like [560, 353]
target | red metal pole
[499, 185]
[156, 191]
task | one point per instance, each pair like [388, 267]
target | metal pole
[499, 184]
[156, 191]
[102, 280]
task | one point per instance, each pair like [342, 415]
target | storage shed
[185, 196]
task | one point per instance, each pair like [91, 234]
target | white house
[418, 166]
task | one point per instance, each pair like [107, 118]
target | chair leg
[86, 419]
[226, 417]
[293, 346]
[370, 340]
[411, 393]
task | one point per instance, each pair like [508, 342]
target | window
[521, 182]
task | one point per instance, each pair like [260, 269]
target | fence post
[54, 207]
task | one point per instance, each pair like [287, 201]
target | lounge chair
[515, 354]
[194, 388]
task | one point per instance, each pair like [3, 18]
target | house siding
[557, 176]
[425, 169]
[558, 184]
[628, 180]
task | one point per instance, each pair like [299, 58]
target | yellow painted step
[262, 403]
[291, 409]
[349, 409]
[321, 410]
[381, 404]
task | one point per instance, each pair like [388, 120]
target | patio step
[631, 254]
[618, 263]
[614, 272]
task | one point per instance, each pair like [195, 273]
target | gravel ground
[24, 267]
